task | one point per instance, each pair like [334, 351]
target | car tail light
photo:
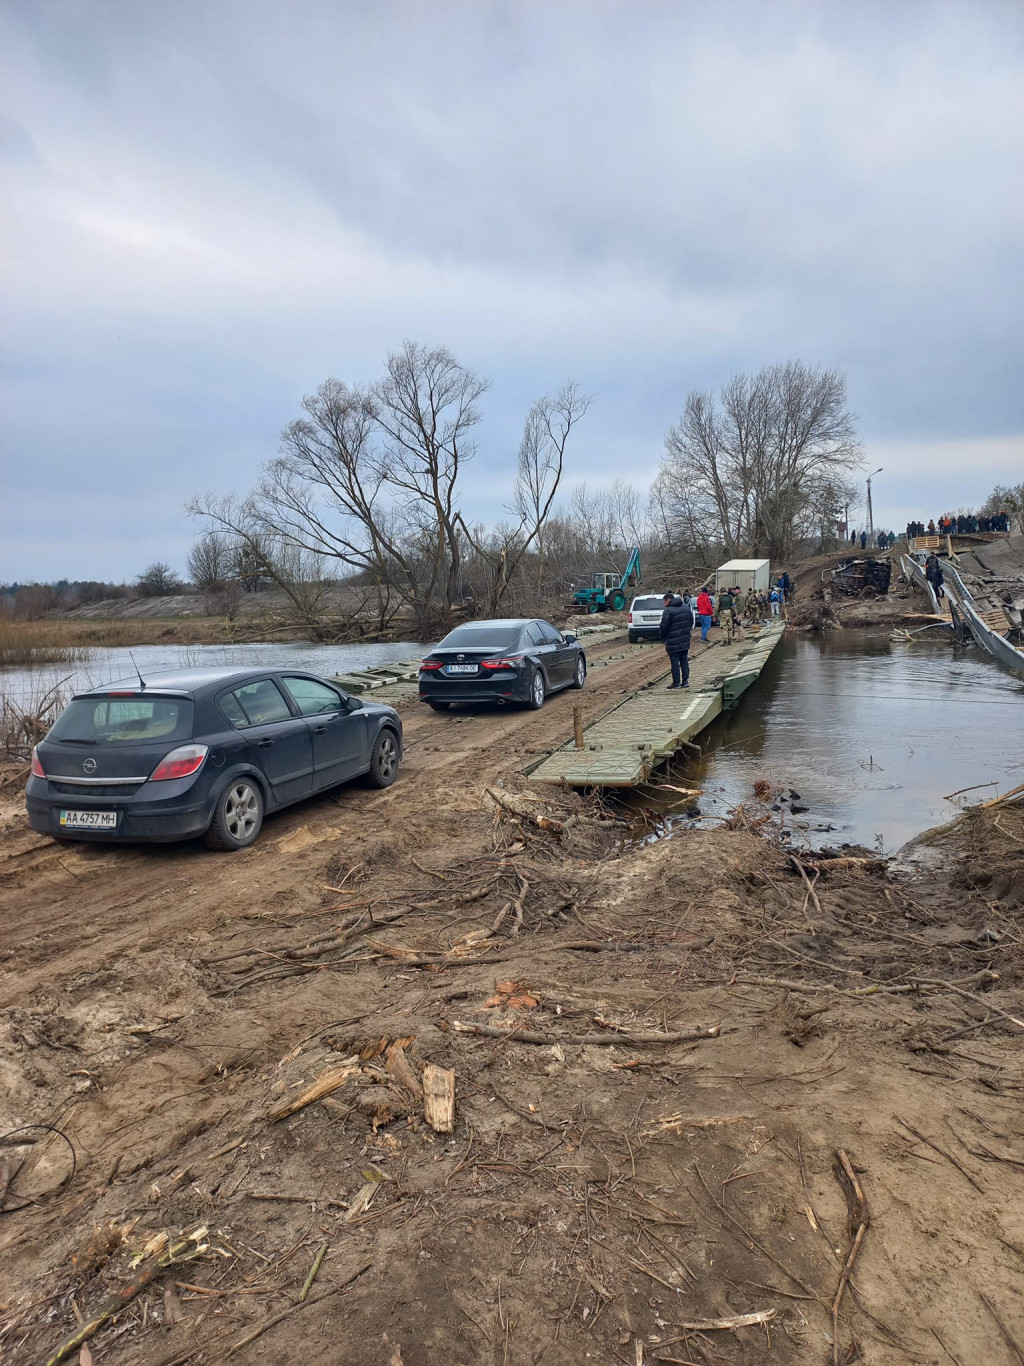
[629, 617]
[122, 694]
[429, 664]
[180, 763]
[500, 663]
[37, 768]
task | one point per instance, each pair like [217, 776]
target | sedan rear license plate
[88, 820]
[461, 668]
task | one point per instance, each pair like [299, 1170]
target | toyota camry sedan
[512, 660]
[204, 752]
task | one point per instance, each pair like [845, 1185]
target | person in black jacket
[676, 625]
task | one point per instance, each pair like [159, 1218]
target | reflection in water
[873, 735]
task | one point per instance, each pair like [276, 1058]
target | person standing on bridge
[705, 613]
[726, 607]
[676, 628]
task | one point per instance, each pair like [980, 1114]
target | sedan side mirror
[569, 638]
[352, 703]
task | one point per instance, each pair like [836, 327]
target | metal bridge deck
[624, 745]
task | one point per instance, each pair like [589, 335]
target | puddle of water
[107, 665]
[872, 734]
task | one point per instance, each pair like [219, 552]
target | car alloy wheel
[581, 672]
[241, 812]
[537, 689]
[384, 765]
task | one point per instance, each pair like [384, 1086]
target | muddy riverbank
[701, 1026]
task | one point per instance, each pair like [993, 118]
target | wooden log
[439, 1098]
[640, 1037]
[577, 724]
[519, 808]
[323, 1086]
[399, 1067]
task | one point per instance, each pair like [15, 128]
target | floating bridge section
[623, 747]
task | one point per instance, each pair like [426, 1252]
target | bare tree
[261, 554]
[1004, 498]
[743, 472]
[371, 478]
[158, 580]
[539, 469]
[210, 561]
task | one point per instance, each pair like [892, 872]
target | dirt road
[608, 1193]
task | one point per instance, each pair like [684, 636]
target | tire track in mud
[71, 909]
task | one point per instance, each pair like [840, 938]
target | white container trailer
[744, 575]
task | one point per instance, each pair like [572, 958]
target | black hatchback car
[203, 752]
[511, 660]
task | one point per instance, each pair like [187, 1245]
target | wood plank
[439, 1098]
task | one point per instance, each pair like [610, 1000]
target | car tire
[580, 676]
[538, 690]
[384, 760]
[633, 638]
[238, 816]
[437, 706]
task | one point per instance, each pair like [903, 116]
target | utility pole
[871, 517]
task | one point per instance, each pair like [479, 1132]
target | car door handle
[319, 730]
[264, 744]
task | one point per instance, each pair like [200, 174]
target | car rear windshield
[648, 605]
[480, 638]
[124, 720]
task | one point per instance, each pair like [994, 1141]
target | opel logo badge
[89, 766]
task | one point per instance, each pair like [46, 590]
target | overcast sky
[212, 206]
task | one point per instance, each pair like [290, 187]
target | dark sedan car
[203, 752]
[513, 660]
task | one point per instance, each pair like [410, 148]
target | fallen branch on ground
[307, 1284]
[323, 1086]
[1008, 1337]
[716, 1325]
[942, 1153]
[299, 1304]
[641, 1038]
[185, 1249]
[876, 988]
[518, 808]
[859, 1219]
[848, 861]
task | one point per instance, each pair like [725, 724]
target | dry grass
[23, 645]
[23, 724]
[55, 634]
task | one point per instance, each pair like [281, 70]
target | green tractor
[610, 592]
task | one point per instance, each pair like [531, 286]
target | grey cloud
[217, 204]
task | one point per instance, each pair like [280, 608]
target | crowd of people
[885, 540]
[960, 524]
[731, 609]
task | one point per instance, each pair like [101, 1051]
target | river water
[872, 734]
[109, 665]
